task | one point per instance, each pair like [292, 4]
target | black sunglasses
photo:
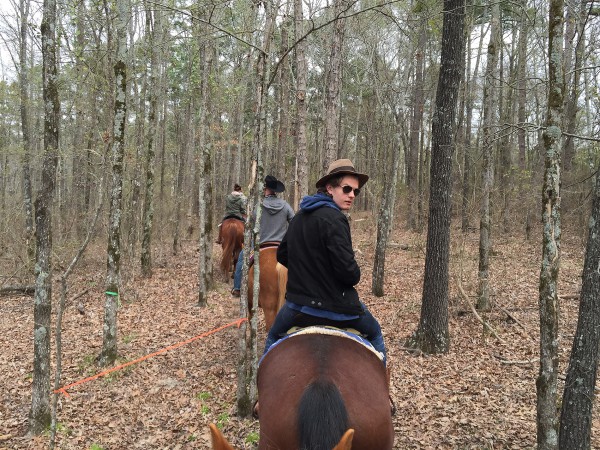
[347, 189]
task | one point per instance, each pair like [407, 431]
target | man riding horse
[322, 271]
[275, 216]
[235, 208]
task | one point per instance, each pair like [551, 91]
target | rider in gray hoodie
[275, 215]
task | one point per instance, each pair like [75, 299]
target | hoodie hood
[273, 204]
[312, 202]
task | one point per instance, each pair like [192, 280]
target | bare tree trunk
[331, 114]
[432, 334]
[467, 179]
[283, 135]
[301, 169]
[132, 212]
[184, 140]
[146, 250]
[108, 354]
[385, 221]
[418, 103]
[571, 102]
[487, 149]
[205, 169]
[578, 396]
[248, 346]
[547, 419]
[24, 92]
[79, 169]
[39, 417]
[522, 96]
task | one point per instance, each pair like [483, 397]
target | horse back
[290, 370]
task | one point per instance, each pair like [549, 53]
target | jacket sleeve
[339, 245]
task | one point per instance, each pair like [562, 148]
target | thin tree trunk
[571, 102]
[78, 169]
[39, 418]
[331, 113]
[184, 137]
[547, 420]
[301, 174]
[385, 221]
[418, 104]
[432, 334]
[204, 189]
[522, 96]
[487, 175]
[108, 354]
[147, 220]
[248, 340]
[26, 134]
[284, 104]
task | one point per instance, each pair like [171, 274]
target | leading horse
[315, 388]
[232, 241]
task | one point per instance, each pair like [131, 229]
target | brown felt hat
[342, 167]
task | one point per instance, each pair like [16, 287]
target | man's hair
[237, 187]
[333, 181]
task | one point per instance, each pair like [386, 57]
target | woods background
[143, 114]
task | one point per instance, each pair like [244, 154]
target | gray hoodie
[274, 219]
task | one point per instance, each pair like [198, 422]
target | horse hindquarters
[269, 292]
[290, 367]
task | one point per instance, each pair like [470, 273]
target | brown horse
[314, 389]
[272, 283]
[232, 240]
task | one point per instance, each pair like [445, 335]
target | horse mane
[322, 416]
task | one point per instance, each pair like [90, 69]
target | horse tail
[322, 416]
[282, 277]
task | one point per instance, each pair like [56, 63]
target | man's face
[343, 200]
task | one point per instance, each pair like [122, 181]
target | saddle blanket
[328, 330]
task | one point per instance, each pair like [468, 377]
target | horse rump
[322, 416]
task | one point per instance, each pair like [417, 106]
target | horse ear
[346, 441]
[218, 440]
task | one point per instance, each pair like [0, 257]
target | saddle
[348, 333]
[233, 216]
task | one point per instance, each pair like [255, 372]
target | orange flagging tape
[63, 390]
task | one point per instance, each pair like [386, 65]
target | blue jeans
[237, 275]
[365, 324]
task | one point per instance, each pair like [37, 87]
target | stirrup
[392, 405]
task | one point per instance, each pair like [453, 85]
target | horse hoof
[235, 292]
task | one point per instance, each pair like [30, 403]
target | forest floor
[481, 395]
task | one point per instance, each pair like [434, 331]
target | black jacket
[322, 271]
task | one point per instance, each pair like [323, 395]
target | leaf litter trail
[480, 395]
